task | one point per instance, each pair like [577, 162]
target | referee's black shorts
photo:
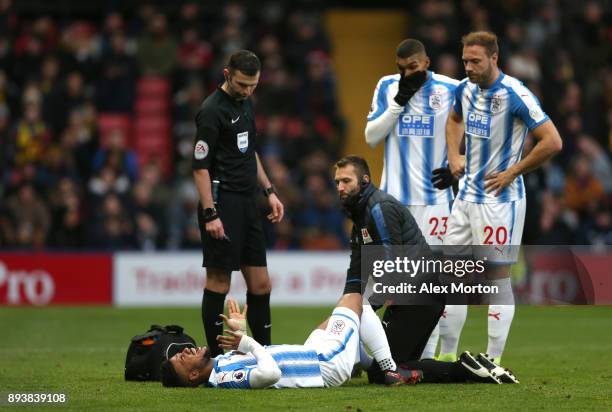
[246, 245]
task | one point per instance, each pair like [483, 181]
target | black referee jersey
[225, 142]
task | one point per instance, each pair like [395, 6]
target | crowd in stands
[69, 182]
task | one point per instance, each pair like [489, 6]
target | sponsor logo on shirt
[478, 124]
[416, 125]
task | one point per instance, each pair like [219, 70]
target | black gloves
[442, 178]
[408, 86]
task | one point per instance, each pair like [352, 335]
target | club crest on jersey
[366, 236]
[242, 140]
[496, 103]
[201, 150]
[337, 327]
[435, 101]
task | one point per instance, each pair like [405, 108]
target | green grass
[561, 355]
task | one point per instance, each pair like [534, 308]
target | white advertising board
[177, 279]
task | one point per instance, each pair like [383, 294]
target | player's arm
[387, 220]
[454, 136]
[548, 144]
[205, 144]
[267, 372]
[382, 117]
[277, 207]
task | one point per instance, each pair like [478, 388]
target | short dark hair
[486, 39]
[246, 61]
[359, 163]
[169, 377]
[409, 47]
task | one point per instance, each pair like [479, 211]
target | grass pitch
[560, 354]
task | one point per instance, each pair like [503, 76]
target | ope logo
[37, 286]
[411, 118]
[478, 118]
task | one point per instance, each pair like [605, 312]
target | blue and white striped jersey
[415, 142]
[299, 368]
[496, 122]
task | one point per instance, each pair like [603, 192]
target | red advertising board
[40, 279]
[566, 276]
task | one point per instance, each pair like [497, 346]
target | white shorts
[432, 220]
[498, 225]
[337, 346]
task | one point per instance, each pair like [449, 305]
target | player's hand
[456, 165]
[408, 86]
[230, 341]
[496, 182]
[215, 229]
[442, 178]
[278, 210]
[235, 319]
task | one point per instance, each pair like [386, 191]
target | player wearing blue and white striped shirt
[409, 112]
[412, 123]
[326, 359]
[495, 112]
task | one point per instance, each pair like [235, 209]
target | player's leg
[502, 225]
[372, 335]
[255, 271]
[458, 233]
[433, 222]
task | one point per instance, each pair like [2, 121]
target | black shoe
[356, 373]
[375, 375]
[402, 376]
[478, 372]
[504, 375]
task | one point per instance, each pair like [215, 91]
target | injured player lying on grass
[326, 359]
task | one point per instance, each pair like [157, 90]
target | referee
[227, 171]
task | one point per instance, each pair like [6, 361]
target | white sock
[451, 324]
[500, 318]
[430, 348]
[365, 360]
[373, 336]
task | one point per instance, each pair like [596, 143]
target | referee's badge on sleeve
[201, 150]
[242, 140]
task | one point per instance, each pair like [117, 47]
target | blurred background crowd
[97, 115]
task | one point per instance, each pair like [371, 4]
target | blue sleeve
[379, 103]
[525, 106]
[458, 94]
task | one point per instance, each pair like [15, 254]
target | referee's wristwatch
[210, 214]
[267, 192]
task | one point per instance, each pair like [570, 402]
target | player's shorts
[246, 243]
[497, 226]
[337, 346]
[432, 220]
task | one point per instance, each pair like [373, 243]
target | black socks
[258, 316]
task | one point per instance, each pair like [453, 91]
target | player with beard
[494, 112]
[380, 219]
